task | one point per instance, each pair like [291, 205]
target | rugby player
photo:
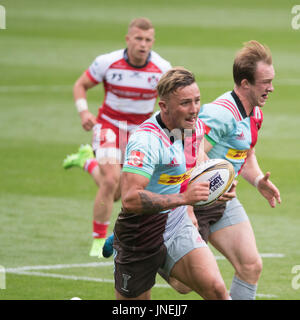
[129, 77]
[232, 123]
[153, 230]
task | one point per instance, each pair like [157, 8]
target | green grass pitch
[46, 212]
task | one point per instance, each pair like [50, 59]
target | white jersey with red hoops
[130, 91]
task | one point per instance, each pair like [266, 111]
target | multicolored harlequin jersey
[161, 156]
[228, 128]
[166, 160]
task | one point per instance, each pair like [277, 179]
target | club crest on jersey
[153, 80]
[136, 159]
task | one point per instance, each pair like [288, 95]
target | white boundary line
[29, 271]
[105, 264]
[60, 266]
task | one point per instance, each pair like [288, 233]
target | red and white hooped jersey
[130, 91]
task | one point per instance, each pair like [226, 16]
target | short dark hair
[246, 59]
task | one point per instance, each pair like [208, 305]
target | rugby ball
[220, 174]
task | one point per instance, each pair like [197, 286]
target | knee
[110, 181]
[251, 271]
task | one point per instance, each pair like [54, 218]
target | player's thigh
[237, 243]
[197, 269]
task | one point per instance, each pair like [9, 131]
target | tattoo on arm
[157, 203]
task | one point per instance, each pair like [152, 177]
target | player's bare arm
[82, 85]
[138, 200]
[253, 174]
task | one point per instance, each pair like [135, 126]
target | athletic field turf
[46, 211]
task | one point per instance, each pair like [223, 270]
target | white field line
[263, 255]
[29, 271]
[63, 88]
[60, 266]
[103, 280]
[105, 264]
[71, 277]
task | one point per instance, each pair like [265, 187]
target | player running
[232, 123]
[129, 77]
[153, 231]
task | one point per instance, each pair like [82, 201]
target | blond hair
[246, 59]
[141, 23]
[173, 79]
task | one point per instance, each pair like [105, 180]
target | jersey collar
[126, 58]
[239, 104]
[172, 137]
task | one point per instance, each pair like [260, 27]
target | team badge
[136, 159]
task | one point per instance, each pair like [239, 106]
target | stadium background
[45, 212]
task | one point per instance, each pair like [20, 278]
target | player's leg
[233, 236]
[199, 271]
[103, 205]
[84, 159]
[108, 155]
[191, 262]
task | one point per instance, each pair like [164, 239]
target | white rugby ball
[220, 174]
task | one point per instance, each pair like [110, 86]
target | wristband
[81, 105]
[257, 179]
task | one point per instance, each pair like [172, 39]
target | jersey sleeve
[142, 154]
[97, 70]
[218, 121]
[163, 64]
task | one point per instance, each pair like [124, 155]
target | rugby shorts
[109, 142]
[135, 272]
[216, 217]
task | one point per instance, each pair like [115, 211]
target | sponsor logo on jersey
[236, 154]
[136, 159]
[172, 180]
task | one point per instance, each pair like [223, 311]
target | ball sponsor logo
[216, 182]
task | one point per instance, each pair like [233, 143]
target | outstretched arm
[253, 174]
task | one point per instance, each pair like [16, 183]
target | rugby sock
[241, 290]
[90, 165]
[100, 229]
